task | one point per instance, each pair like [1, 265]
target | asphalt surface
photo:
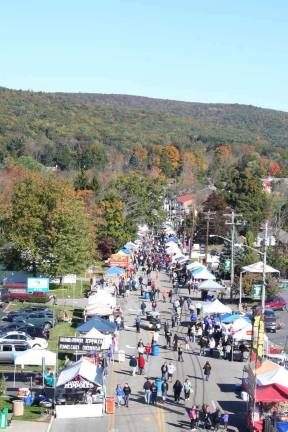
[281, 336]
[219, 391]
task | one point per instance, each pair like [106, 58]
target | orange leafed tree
[274, 168]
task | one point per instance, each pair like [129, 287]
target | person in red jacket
[141, 363]
[148, 351]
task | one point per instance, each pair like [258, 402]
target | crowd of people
[150, 260]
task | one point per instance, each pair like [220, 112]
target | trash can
[158, 382]
[18, 408]
[110, 405]
[4, 418]
[155, 350]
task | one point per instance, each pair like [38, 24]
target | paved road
[281, 336]
[219, 391]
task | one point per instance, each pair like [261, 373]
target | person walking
[177, 387]
[143, 307]
[127, 392]
[141, 364]
[180, 353]
[193, 416]
[164, 389]
[171, 369]
[119, 395]
[187, 387]
[168, 338]
[216, 419]
[133, 365]
[175, 341]
[164, 371]
[164, 295]
[137, 322]
[148, 351]
[147, 391]
[153, 393]
[207, 370]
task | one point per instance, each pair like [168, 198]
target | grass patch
[31, 412]
[70, 291]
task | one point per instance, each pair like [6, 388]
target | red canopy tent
[271, 393]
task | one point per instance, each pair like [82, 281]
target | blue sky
[232, 51]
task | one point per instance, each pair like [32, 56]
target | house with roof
[183, 203]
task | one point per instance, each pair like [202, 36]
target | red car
[276, 303]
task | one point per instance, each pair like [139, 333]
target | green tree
[48, 227]
[112, 222]
[143, 198]
[244, 193]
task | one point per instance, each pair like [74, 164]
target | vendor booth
[37, 357]
[267, 387]
[96, 334]
[211, 285]
[215, 307]
[80, 391]
[100, 324]
[202, 274]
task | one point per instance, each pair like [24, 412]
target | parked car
[276, 303]
[36, 318]
[36, 331]
[270, 320]
[8, 350]
[17, 336]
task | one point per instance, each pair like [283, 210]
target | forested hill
[38, 120]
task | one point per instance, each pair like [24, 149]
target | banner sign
[35, 284]
[79, 343]
[79, 383]
[119, 260]
[258, 335]
[256, 291]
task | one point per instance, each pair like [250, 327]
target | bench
[9, 418]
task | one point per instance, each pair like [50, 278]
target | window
[7, 348]
[22, 337]
[20, 347]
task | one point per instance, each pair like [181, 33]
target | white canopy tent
[254, 268]
[102, 297]
[204, 274]
[258, 268]
[215, 307]
[96, 334]
[210, 285]
[276, 376]
[34, 357]
[195, 265]
[85, 369]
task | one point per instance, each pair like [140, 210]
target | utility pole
[263, 297]
[192, 230]
[232, 222]
[208, 216]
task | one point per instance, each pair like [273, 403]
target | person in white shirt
[171, 369]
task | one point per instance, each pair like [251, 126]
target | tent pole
[14, 374]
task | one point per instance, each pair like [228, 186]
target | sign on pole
[256, 291]
[36, 284]
[79, 343]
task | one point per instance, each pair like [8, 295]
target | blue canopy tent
[99, 324]
[114, 271]
[126, 251]
[228, 318]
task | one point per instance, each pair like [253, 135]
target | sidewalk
[28, 426]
